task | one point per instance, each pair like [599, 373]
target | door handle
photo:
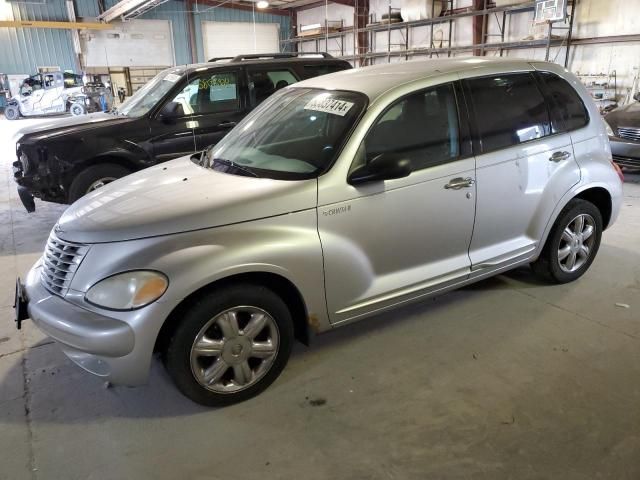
[559, 156]
[227, 124]
[459, 182]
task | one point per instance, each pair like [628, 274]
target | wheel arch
[277, 283]
[601, 198]
[597, 194]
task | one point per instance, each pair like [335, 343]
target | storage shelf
[530, 6]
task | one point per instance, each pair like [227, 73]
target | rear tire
[11, 112]
[230, 345]
[94, 177]
[572, 244]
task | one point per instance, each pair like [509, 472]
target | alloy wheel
[101, 182]
[234, 349]
[576, 243]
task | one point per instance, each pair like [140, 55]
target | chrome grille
[630, 133]
[60, 261]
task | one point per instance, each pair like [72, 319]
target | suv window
[568, 112]
[509, 110]
[262, 83]
[215, 93]
[423, 126]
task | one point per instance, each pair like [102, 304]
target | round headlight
[128, 290]
[608, 128]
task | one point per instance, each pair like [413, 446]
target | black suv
[181, 111]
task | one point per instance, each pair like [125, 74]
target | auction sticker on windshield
[322, 103]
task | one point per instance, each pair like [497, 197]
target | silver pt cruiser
[338, 198]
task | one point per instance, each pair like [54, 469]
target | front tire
[572, 244]
[77, 109]
[230, 345]
[11, 112]
[94, 177]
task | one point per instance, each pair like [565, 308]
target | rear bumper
[99, 344]
[625, 153]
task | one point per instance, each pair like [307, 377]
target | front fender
[286, 245]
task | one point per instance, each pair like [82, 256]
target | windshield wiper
[235, 166]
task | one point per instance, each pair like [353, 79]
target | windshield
[150, 94]
[295, 134]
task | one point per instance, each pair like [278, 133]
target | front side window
[567, 109]
[296, 134]
[216, 93]
[263, 83]
[423, 127]
[509, 110]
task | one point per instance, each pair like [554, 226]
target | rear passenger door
[523, 167]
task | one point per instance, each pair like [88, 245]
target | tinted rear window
[567, 109]
[509, 110]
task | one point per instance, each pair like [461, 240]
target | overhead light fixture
[262, 4]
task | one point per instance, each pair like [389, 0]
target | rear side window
[262, 83]
[567, 108]
[509, 110]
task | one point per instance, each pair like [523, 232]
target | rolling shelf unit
[500, 13]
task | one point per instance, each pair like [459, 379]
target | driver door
[31, 92]
[395, 240]
[206, 108]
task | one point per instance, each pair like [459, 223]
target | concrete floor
[508, 378]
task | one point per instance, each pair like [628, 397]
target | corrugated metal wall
[25, 49]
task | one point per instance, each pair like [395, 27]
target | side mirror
[171, 111]
[384, 166]
[636, 96]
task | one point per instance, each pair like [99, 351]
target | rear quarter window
[568, 111]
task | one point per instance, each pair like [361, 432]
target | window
[311, 71]
[210, 94]
[264, 82]
[509, 110]
[422, 126]
[72, 80]
[567, 109]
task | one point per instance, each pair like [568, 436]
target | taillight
[618, 170]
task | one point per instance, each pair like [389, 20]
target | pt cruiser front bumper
[100, 344]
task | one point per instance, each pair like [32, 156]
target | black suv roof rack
[257, 56]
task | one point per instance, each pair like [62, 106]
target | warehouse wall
[25, 49]
[29, 48]
[221, 14]
[594, 18]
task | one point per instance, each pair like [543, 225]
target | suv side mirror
[171, 111]
[636, 96]
[383, 166]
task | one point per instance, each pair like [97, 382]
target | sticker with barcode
[323, 103]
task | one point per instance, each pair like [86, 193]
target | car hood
[63, 126]
[179, 196]
[627, 116]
